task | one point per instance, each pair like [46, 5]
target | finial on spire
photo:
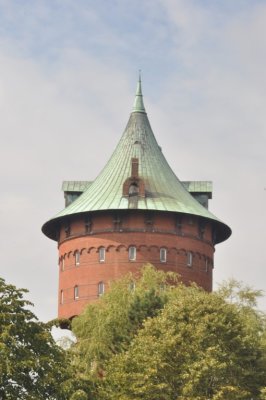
[138, 103]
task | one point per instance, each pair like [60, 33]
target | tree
[198, 347]
[32, 366]
[154, 338]
[107, 327]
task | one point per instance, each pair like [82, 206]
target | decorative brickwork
[136, 211]
[90, 271]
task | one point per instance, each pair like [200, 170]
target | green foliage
[198, 346]
[263, 394]
[237, 293]
[107, 327]
[31, 364]
[79, 395]
[146, 339]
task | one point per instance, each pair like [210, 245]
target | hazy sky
[68, 72]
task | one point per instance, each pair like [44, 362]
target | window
[179, 224]
[163, 254]
[76, 292]
[100, 288]
[206, 265]
[101, 254]
[132, 253]
[189, 259]
[63, 264]
[202, 226]
[62, 297]
[67, 229]
[77, 258]
[133, 189]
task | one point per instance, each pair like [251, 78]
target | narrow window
[189, 259]
[88, 224]
[62, 297]
[77, 258]
[206, 265]
[101, 254]
[179, 224]
[202, 226]
[67, 229]
[63, 264]
[100, 289]
[163, 255]
[76, 292]
[132, 253]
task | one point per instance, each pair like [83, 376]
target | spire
[138, 103]
[162, 189]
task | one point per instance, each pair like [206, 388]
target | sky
[68, 73]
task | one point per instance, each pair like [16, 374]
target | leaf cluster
[166, 341]
[31, 364]
[198, 347]
[107, 327]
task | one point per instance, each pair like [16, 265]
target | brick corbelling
[138, 221]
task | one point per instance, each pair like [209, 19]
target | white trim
[132, 253]
[189, 259]
[101, 288]
[163, 254]
[77, 258]
[102, 254]
[76, 292]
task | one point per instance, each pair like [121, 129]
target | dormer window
[133, 189]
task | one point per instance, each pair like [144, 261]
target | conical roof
[163, 190]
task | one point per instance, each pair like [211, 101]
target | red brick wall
[133, 230]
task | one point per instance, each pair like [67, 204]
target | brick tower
[135, 211]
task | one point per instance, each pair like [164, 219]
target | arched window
[62, 297]
[62, 263]
[163, 254]
[189, 259]
[133, 189]
[100, 289]
[76, 292]
[77, 258]
[101, 254]
[132, 253]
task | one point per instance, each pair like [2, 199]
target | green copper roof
[75, 186]
[163, 190]
[138, 103]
